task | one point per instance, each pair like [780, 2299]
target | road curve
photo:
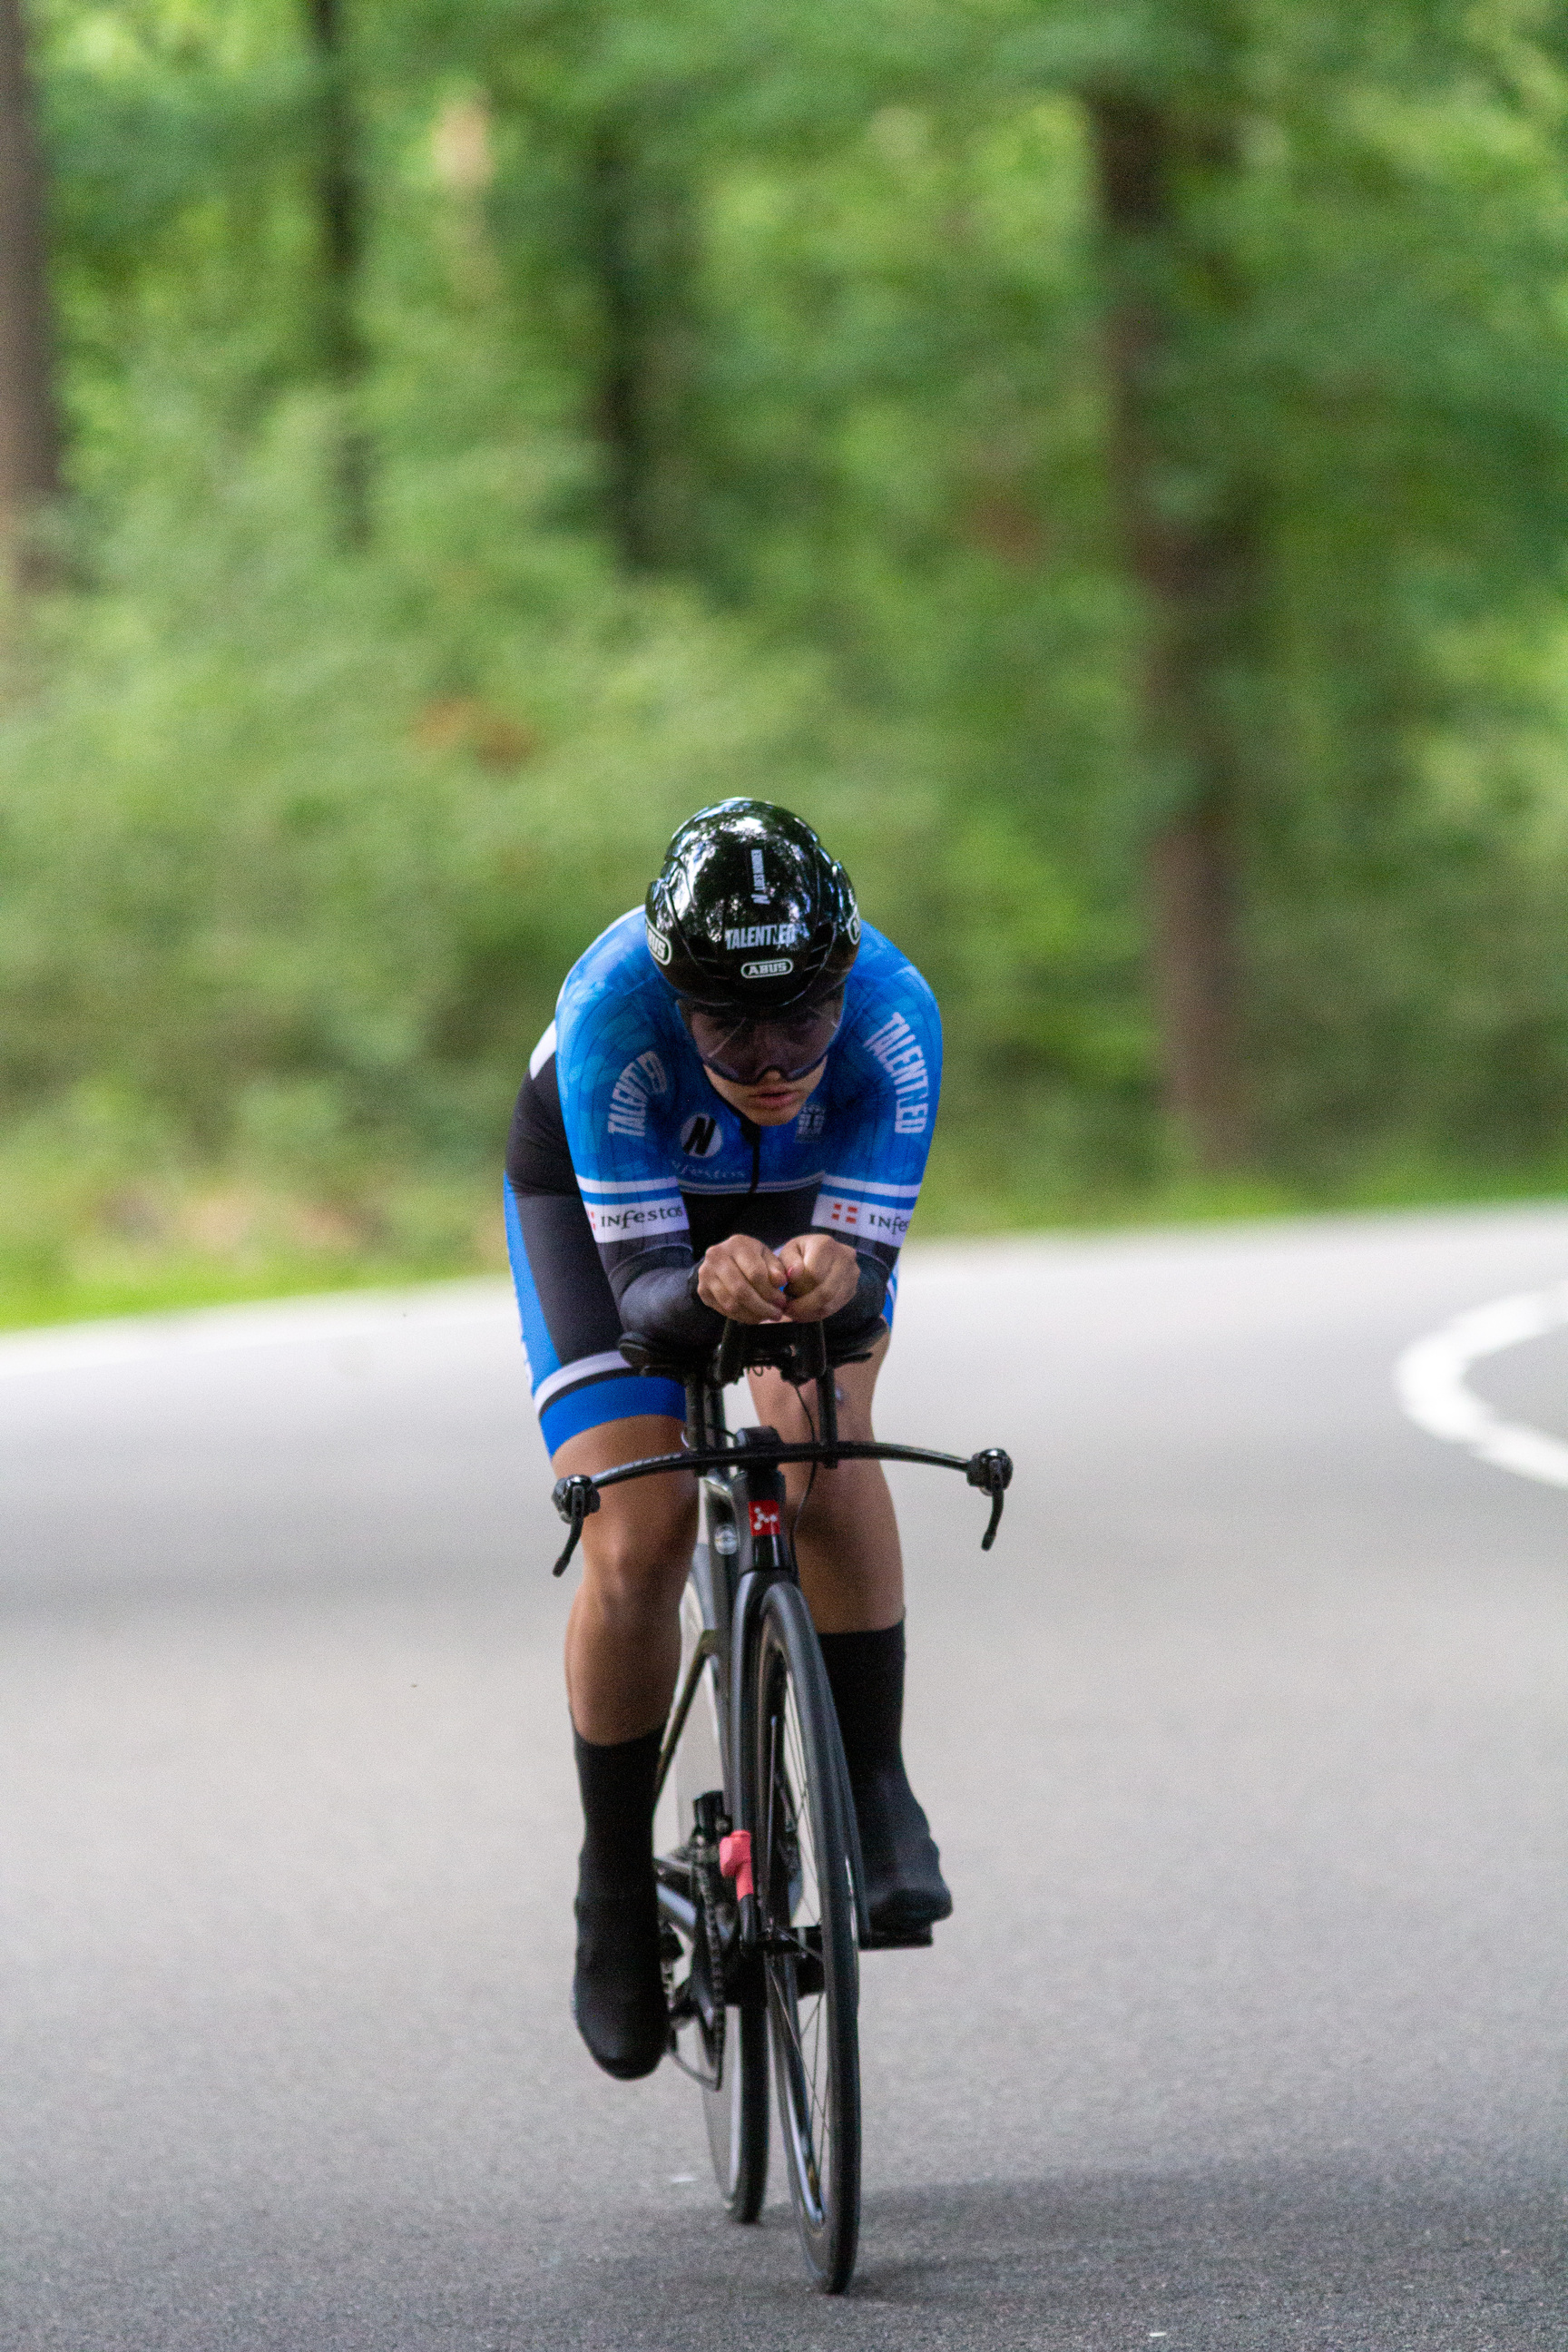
[1245, 1748]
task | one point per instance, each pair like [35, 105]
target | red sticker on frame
[765, 1520]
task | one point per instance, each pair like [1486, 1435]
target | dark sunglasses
[743, 1046]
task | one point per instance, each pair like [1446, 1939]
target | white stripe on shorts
[586, 1368]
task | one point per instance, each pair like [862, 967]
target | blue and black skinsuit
[624, 1165]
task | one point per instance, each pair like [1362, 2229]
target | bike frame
[749, 1543]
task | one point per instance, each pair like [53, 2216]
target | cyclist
[729, 1115]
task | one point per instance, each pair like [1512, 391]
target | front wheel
[803, 1840]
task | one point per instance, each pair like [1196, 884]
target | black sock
[617, 1783]
[866, 1675]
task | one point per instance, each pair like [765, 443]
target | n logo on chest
[700, 1136]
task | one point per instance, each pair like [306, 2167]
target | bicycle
[761, 1894]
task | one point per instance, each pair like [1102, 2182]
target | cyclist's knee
[637, 1546]
[637, 1549]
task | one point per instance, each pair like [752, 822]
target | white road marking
[1429, 1379]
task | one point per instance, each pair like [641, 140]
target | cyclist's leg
[846, 1541]
[623, 1647]
[622, 1636]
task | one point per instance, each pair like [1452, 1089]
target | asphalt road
[1245, 1748]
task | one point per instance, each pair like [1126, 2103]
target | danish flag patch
[765, 1520]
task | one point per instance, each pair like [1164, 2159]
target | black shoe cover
[617, 1992]
[905, 1890]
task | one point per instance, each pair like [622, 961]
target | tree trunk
[1196, 565]
[340, 217]
[643, 251]
[29, 420]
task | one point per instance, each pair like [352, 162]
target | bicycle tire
[734, 2110]
[798, 1807]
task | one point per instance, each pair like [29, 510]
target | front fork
[739, 1853]
[771, 1557]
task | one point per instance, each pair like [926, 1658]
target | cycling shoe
[617, 1991]
[905, 1890]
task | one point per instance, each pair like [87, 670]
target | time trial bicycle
[760, 1888]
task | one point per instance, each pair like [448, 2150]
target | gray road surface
[1246, 1748]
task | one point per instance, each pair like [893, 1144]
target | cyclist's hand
[823, 1276]
[740, 1278]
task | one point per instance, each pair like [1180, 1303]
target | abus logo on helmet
[775, 971]
[657, 945]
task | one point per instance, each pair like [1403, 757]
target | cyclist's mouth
[771, 1099]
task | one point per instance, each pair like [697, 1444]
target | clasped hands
[805, 1282]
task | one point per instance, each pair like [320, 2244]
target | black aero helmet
[749, 912]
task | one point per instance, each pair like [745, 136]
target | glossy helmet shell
[749, 912]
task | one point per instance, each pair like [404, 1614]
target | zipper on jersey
[753, 1134]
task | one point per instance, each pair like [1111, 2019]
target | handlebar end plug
[992, 1471]
[576, 1498]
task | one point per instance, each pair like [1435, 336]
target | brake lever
[576, 1498]
[992, 1471]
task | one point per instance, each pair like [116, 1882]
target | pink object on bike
[735, 1860]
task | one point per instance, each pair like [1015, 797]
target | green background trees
[1107, 466]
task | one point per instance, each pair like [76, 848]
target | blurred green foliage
[296, 843]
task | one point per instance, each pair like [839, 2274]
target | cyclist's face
[774, 1101]
[750, 1049]
[765, 1069]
